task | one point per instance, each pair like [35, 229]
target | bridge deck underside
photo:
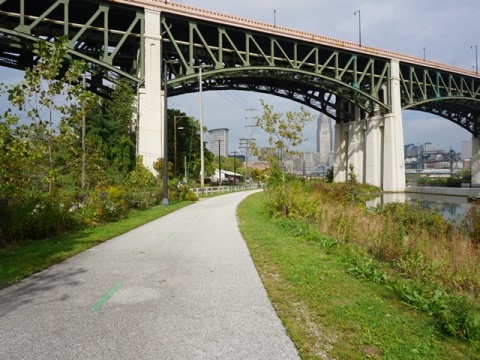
[108, 37]
[333, 80]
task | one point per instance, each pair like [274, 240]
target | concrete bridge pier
[151, 103]
[475, 166]
[374, 149]
[374, 146]
[393, 146]
[356, 147]
[340, 152]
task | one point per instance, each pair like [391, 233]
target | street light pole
[235, 168]
[476, 57]
[165, 200]
[219, 165]
[202, 163]
[175, 120]
[84, 81]
[359, 26]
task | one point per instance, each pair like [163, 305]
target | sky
[444, 31]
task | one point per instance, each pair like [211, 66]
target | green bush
[182, 193]
[472, 221]
[105, 205]
[32, 218]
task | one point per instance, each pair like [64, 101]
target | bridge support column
[393, 153]
[373, 149]
[475, 166]
[340, 153]
[356, 147]
[150, 137]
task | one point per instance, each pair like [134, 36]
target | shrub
[36, 217]
[182, 193]
[472, 221]
[417, 243]
[105, 205]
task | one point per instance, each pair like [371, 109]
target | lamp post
[165, 135]
[175, 120]
[137, 120]
[235, 168]
[202, 164]
[476, 57]
[359, 26]
[219, 165]
[84, 83]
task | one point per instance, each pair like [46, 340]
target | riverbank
[467, 192]
[333, 305]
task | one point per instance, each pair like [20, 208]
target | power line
[238, 101]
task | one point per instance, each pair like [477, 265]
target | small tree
[47, 97]
[284, 134]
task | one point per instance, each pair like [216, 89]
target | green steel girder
[451, 96]
[108, 36]
[253, 59]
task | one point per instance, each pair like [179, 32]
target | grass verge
[22, 260]
[329, 313]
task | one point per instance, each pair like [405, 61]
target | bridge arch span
[356, 85]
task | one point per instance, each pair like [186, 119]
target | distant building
[311, 160]
[302, 163]
[324, 139]
[467, 149]
[320, 170]
[219, 136]
[428, 147]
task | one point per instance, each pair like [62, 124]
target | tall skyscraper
[219, 136]
[324, 139]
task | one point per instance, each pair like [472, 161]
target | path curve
[181, 287]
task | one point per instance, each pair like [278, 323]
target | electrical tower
[246, 143]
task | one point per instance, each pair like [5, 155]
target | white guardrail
[225, 189]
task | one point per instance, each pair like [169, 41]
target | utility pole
[235, 168]
[202, 160]
[245, 143]
[84, 82]
[219, 165]
[476, 57]
[359, 27]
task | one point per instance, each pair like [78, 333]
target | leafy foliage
[430, 263]
[41, 191]
[284, 132]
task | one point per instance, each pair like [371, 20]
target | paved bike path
[181, 287]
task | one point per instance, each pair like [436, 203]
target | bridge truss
[334, 80]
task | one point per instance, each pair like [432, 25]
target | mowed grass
[328, 313]
[22, 260]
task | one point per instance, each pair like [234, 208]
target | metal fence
[210, 190]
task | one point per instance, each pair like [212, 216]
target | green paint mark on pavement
[171, 235]
[105, 297]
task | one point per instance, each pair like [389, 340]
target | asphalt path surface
[181, 287]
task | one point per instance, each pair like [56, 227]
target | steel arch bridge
[346, 81]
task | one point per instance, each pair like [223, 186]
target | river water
[451, 207]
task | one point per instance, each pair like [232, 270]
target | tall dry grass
[418, 243]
